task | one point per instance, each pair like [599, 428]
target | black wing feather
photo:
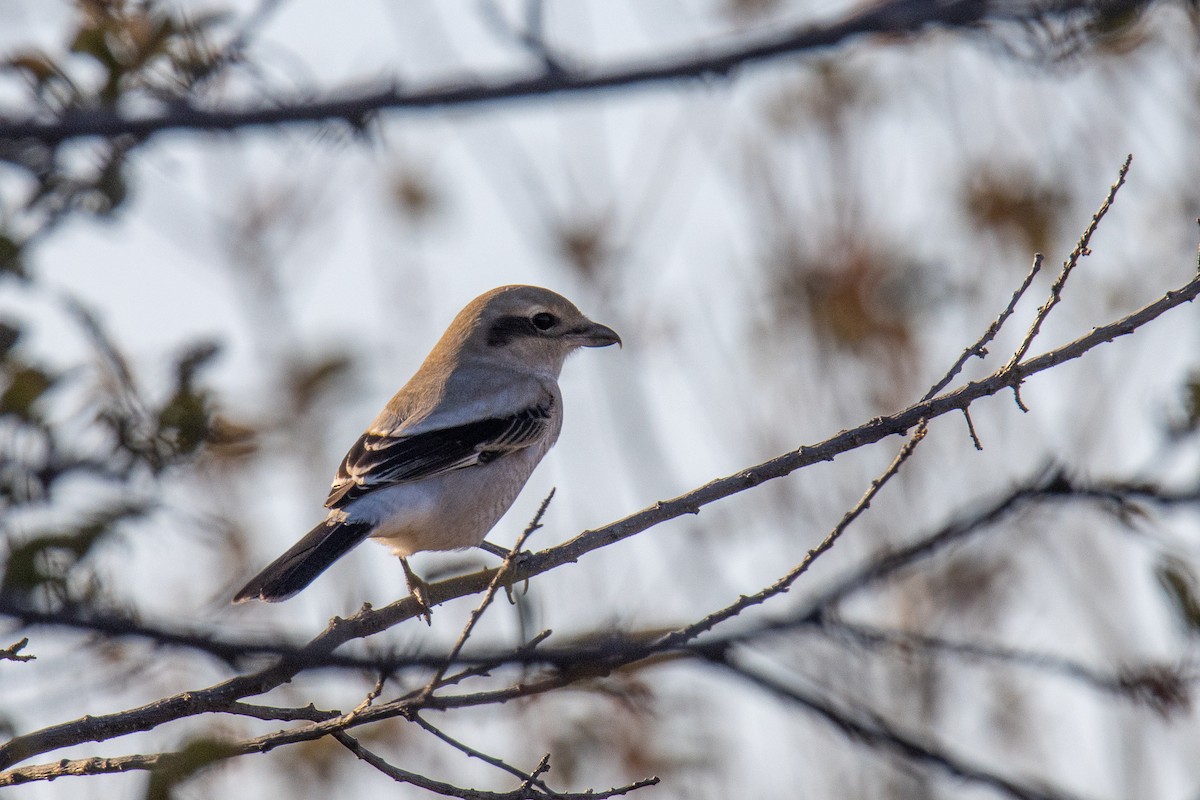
[375, 461]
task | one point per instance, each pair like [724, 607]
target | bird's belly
[449, 512]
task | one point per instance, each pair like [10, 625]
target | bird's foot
[419, 590]
[504, 552]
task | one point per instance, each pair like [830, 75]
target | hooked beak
[596, 335]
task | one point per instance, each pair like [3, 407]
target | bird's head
[529, 327]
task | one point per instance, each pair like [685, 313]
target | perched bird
[453, 448]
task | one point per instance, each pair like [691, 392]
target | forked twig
[1081, 250]
[497, 581]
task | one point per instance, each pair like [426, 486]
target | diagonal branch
[780, 586]
[879, 736]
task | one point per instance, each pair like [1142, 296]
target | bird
[449, 453]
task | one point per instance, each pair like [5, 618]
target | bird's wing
[378, 460]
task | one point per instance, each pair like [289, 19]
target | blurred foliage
[309, 380]
[195, 756]
[1063, 33]
[823, 97]
[24, 385]
[10, 256]
[1191, 406]
[749, 11]
[148, 47]
[185, 419]
[1178, 581]
[1164, 689]
[860, 298]
[147, 51]
[626, 736]
[129, 437]
[41, 565]
[414, 195]
[1021, 207]
[584, 244]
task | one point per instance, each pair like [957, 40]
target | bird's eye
[543, 321]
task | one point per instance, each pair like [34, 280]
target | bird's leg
[494, 549]
[419, 590]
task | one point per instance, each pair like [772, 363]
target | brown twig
[527, 778]
[404, 776]
[497, 580]
[780, 586]
[1081, 250]
[979, 348]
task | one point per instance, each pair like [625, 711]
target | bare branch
[897, 17]
[979, 349]
[309, 712]
[1081, 249]
[531, 778]
[880, 736]
[605, 656]
[523, 792]
[780, 586]
[404, 776]
[497, 580]
[1160, 686]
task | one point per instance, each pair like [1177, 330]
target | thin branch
[542, 768]
[926, 547]
[577, 663]
[879, 736]
[309, 713]
[497, 580]
[780, 586]
[104, 766]
[1081, 249]
[404, 776]
[484, 757]
[898, 17]
[1160, 686]
[522, 793]
[979, 349]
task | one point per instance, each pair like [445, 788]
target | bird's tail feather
[307, 559]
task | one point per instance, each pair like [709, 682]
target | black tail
[306, 559]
